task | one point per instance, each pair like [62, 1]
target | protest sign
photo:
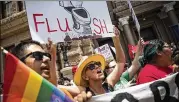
[134, 17]
[132, 50]
[68, 20]
[113, 49]
[163, 90]
[105, 51]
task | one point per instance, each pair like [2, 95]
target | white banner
[105, 51]
[66, 20]
[164, 90]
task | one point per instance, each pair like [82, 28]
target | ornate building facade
[156, 19]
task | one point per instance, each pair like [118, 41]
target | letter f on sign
[35, 21]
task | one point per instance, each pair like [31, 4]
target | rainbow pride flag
[22, 84]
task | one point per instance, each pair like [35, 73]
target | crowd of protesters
[94, 75]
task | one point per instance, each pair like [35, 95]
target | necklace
[95, 93]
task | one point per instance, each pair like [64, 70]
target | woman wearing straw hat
[89, 74]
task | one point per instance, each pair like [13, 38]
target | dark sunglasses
[91, 66]
[37, 55]
[168, 46]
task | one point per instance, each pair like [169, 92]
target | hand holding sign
[140, 46]
[116, 31]
[51, 48]
[138, 53]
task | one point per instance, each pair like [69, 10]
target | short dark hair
[19, 50]
[175, 56]
[151, 49]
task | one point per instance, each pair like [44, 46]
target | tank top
[108, 88]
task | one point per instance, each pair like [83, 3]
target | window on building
[11, 7]
[0, 10]
[8, 8]
[20, 5]
[3, 10]
[147, 34]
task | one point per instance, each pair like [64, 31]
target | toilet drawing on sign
[80, 16]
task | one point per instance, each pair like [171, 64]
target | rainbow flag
[22, 84]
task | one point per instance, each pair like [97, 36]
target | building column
[171, 12]
[172, 16]
[95, 42]
[162, 16]
[125, 47]
[128, 33]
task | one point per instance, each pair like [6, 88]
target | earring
[86, 78]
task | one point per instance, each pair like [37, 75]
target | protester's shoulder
[66, 92]
[148, 68]
[81, 88]
[147, 74]
[125, 75]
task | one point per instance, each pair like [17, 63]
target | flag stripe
[67, 99]
[19, 82]
[33, 87]
[45, 91]
[9, 72]
[66, 93]
[22, 84]
[56, 94]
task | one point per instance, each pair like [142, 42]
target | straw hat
[78, 80]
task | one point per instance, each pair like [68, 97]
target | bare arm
[73, 90]
[54, 66]
[51, 48]
[135, 63]
[114, 76]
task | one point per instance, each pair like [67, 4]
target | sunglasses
[167, 46]
[91, 66]
[37, 55]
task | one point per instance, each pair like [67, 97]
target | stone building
[156, 19]
[14, 29]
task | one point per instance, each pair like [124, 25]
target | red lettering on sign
[103, 26]
[49, 30]
[95, 19]
[67, 26]
[35, 21]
